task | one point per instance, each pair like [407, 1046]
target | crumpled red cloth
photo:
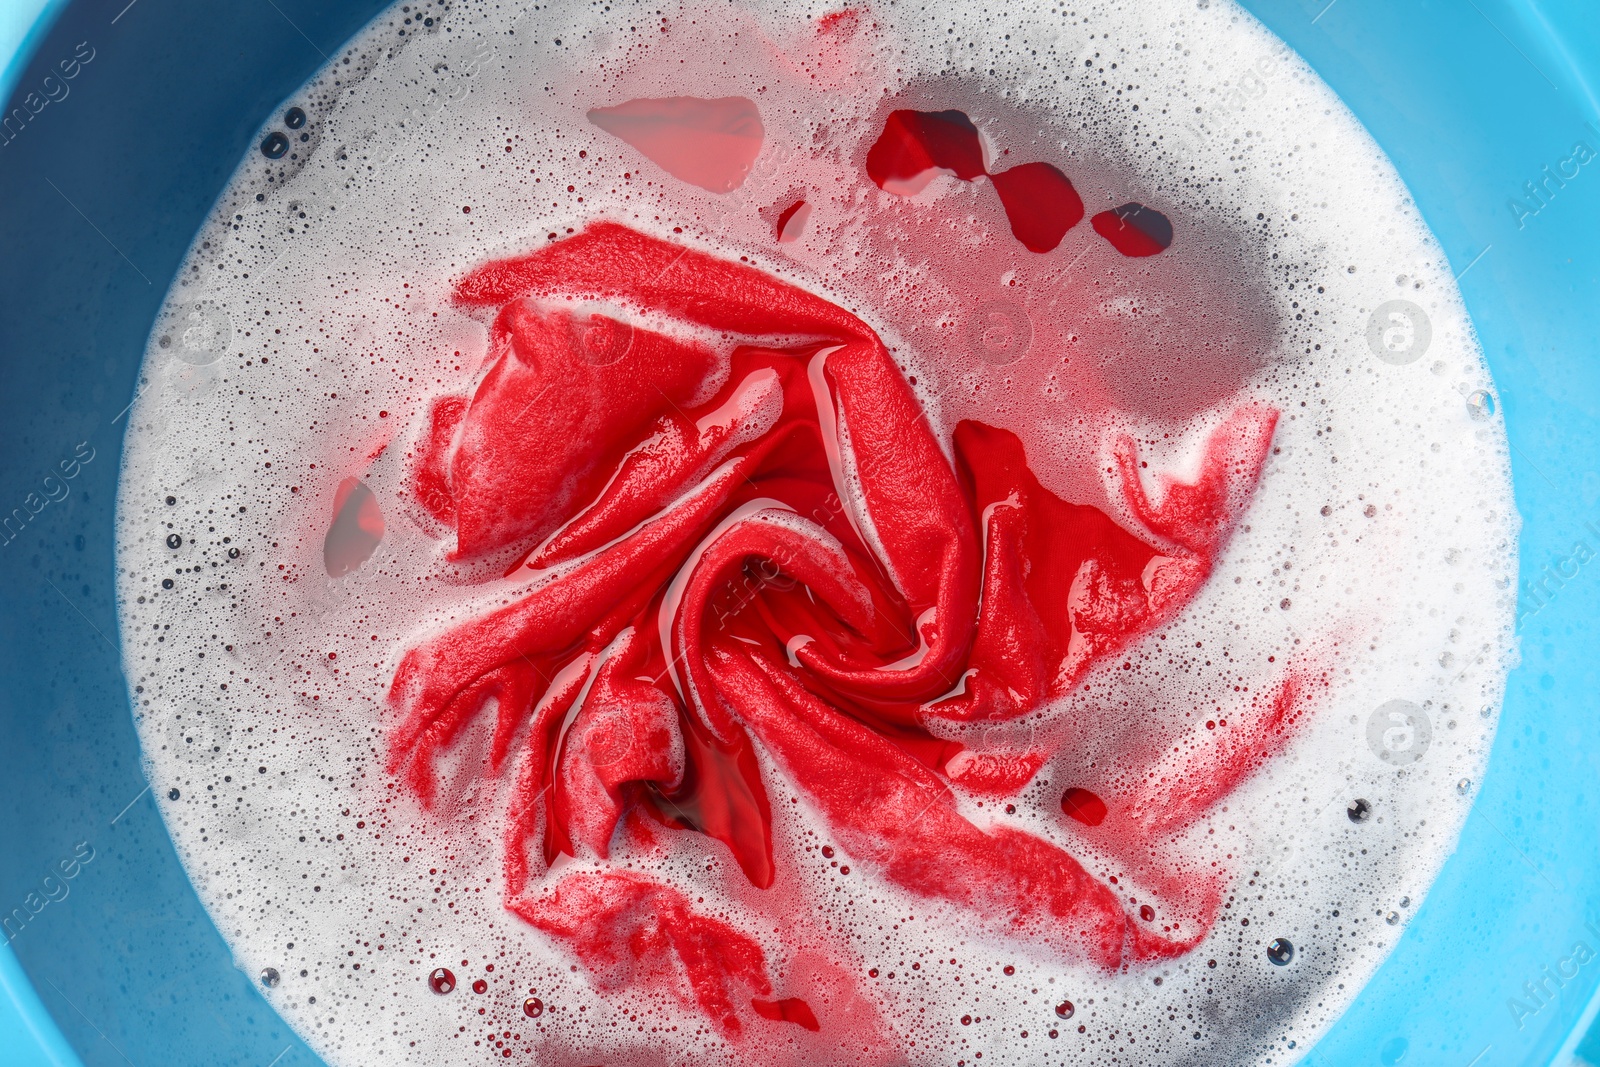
[740, 529]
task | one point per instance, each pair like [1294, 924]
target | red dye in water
[641, 676]
[788, 1010]
[1134, 230]
[356, 530]
[709, 143]
[792, 221]
[1084, 806]
[1039, 200]
[915, 145]
[1040, 204]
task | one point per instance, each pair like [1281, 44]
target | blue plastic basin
[102, 189]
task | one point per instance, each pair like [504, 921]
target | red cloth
[701, 582]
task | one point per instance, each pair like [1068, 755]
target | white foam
[1380, 545]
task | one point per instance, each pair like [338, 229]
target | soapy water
[1053, 244]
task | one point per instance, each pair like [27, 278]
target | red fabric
[630, 931]
[700, 582]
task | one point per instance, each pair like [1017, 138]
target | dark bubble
[173, 794]
[1359, 810]
[174, 541]
[442, 980]
[1065, 1009]
[269, 977]
[166, 583]
[1280, 952]
[233, 553]
[533, 1007]
[274, 145]
[294, 118]
[171, 500]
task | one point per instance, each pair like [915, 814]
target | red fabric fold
[739, 533]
